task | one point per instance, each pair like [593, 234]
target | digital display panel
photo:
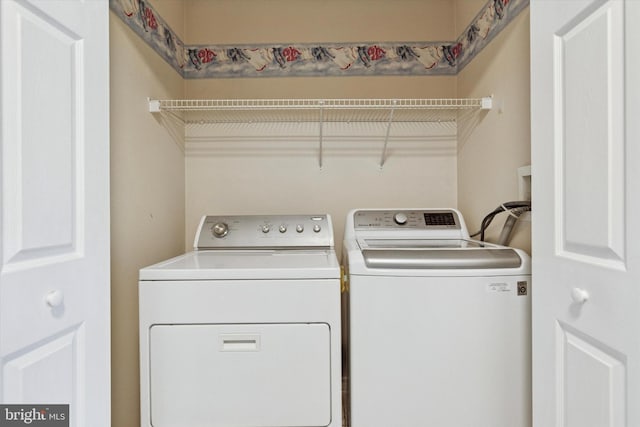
[432, 219]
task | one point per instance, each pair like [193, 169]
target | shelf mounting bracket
[321, 112]
[154, 105]
[383, 158]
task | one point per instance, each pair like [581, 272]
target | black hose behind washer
[508, 206]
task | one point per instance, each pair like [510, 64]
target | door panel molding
[578, 354]
[43, 360]
[43, 180]
[589, 137]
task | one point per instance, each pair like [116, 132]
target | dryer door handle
[239, 342]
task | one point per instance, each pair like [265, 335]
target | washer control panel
[437, 219]
[264, 231]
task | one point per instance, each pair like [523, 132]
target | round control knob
[283, 228]
[400, 218]
[220, 229]
[266, 228]
[316, 228]
[299, 228]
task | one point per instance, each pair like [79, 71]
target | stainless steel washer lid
[449, 254]
[379, 242]
[442, 259]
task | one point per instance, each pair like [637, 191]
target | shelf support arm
[383, 158]
[321, 103]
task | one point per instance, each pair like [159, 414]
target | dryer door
[240, 375]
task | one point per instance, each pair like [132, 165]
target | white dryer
[438, 325]
[244, 330]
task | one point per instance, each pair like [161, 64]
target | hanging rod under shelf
[208, 111]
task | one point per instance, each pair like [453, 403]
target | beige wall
[489, 157]
[464, 12]
[147, 197]
[174, 13]
[279, 181]
[323, 87]
[290, 182]
[309, 21]
[158, 191]
[315, 21]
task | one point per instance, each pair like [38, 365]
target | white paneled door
[585, 106]
[54, 235]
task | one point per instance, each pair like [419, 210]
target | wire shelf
[320, 111]
[310, 110]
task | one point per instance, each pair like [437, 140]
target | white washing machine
[244, 330]
[438, 325]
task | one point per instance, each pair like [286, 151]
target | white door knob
[54, 298]
[579, 296]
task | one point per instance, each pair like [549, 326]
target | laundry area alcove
[167, 172]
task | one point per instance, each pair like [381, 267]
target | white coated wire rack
[320, 111]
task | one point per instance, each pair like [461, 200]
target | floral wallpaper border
[321, 59]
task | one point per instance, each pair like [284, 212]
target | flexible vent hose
[509, 223]
[515, 209]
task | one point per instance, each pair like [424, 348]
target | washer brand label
[499, 287]
[522, 288]
[34, 415]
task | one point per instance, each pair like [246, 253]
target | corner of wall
[147, 198]
[488, 158]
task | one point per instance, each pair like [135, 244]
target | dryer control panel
[440, 219]
[264, 231]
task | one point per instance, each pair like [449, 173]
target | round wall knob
[283, 228]
[265, 228]
[54, 298]
[299, 228]
[316, 228]
[579, 296]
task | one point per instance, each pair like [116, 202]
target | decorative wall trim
[142, 18]
[417, 58]
[488, 23]
[320, 59]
